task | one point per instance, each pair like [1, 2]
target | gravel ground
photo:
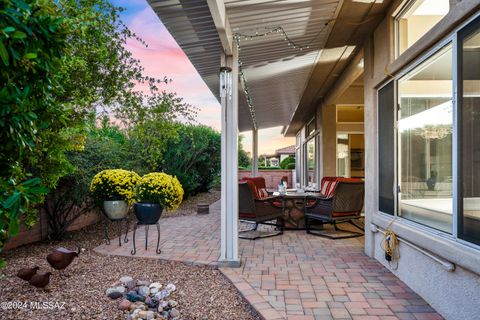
[189, 206]
[202, 292]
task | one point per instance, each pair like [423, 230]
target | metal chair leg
[146, 237]
[158, 251]
[134, 232]
[125, 239]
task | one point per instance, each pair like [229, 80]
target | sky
[164, 57]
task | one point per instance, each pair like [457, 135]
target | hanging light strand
[276, 30]
[243, 82]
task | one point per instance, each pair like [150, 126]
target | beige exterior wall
[454, 294]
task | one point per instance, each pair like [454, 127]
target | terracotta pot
[147, 213]
[116, 209]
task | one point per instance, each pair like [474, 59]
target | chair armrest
[270, 200]
[317, 200]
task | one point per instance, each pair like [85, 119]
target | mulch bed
[202, 292]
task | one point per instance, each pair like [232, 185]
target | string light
[276, 30]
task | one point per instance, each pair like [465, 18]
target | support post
[254, 153]
[229, 165]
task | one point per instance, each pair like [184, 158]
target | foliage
[159, 187]
[33, 42]
[269, 168]
[194, 158]
[243, 157]
[285, 162]
[106, 147]
[114, 184]
[290, 166]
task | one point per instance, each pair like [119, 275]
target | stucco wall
[456, 295]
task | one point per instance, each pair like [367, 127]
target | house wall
[454, 294]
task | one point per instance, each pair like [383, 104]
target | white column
[255, 153]
[229, 214]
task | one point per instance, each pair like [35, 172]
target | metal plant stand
[119, 223]
[157, 251]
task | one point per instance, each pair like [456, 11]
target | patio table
[294, 209]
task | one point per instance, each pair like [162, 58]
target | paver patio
[293, 276]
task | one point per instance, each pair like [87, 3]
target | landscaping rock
[155, 287]
[115, 295]
[142, 283]
[133, 297]
[172, 303]
[120, 289]
[124, 305]
[148, 315]
[174, 313]
[138, 306]
[130, 285]
[125, 279]
[143, 291]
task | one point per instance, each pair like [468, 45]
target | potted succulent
[156, 191]
[114, 190]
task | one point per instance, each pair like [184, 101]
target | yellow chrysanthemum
[159, 187]
[115, 184]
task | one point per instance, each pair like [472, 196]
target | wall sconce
[225, 82]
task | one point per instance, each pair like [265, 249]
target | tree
[286, 163]
[194, 158]
[244, 160]
[61, 61]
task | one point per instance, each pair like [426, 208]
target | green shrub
[285, 162]
[290, 166]
[194, 158]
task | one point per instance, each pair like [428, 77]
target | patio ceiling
[278, 75]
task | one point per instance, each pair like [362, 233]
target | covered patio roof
[288, 70]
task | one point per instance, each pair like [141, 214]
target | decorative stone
[115, 295]
[170, 287]
[110, 290]
[133, 297]
[142, 283]
[144, 291]
[160, 309]
[120, 289]
[174, 313]
[163, 304]
[155, 287]
[126, 279]
[138, 306]
[162, 295]
[148, 315]
[124, 305]
[151, 303]
[164, 314]
[172, 303]
[130, 285]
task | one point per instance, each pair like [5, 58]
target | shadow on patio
[293, 276]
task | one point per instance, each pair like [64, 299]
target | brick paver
[292, 276]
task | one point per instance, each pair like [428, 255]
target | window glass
[418, 18]
[469, 219]
[343, 156]
[386, 148]
[310, 153]
[425, 129]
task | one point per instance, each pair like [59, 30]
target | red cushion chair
[258, 211]
[342, 202]
[260, 187]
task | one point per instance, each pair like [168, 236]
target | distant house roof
[286, 150]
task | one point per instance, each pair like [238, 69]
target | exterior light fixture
[225, 82]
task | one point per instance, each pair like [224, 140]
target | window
[416, 19]
[469, 106]
[425, 127]
[311, 127]
[298, 157]
[386, 148]
[310, 166]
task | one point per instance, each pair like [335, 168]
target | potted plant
[114, 190]
[156, 191]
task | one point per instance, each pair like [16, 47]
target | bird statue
[40, 280]
[27, 273]
[61, 258]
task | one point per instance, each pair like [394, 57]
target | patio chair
[343, 203]
[256, 210]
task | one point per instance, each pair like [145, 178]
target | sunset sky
[164, 57]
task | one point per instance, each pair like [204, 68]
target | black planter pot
[147, 213]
